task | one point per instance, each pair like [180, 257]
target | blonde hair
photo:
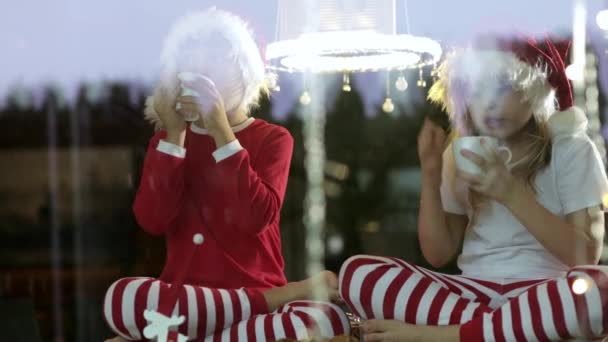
[462, 71]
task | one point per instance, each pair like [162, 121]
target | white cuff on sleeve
[171, 149]
[227, 150]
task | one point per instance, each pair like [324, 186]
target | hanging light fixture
[388, 106]
[349, 36]
[305, 98]
[316, 37]
[421, 82]
[401, 83]
[346, 83]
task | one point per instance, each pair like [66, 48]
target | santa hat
[539, 71]
[208, 27]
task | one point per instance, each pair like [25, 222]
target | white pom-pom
[567, 122]
[198, 239]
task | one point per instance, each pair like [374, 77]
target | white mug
[185, 91]
[473, 144]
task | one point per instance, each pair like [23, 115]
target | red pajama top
[229, 199]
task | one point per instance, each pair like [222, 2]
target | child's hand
[495, 181]
[208, 104]
[431, 143]
[164, 104]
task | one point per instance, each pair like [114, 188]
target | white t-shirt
[497, 245]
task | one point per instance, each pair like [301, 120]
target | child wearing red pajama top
[231, 196]
[213, 184]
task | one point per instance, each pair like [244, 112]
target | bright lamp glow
[580, 286]
[352, 51]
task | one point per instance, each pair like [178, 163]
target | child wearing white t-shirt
[531, 231]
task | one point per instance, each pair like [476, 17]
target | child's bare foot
[117, 339]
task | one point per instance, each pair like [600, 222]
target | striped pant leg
[389, 288]
[298, 320]
[575, 306]
[206, 310]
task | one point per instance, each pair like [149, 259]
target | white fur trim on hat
[211, 24]
[470, 68]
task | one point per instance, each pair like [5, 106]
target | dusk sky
[70, 41]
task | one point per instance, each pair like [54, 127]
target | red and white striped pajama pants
[531, 310]
[219, 314]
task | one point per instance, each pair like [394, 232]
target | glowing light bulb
[388, 105]
[305, 98]
[401, 83]
[346, 83]
[421, 82]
